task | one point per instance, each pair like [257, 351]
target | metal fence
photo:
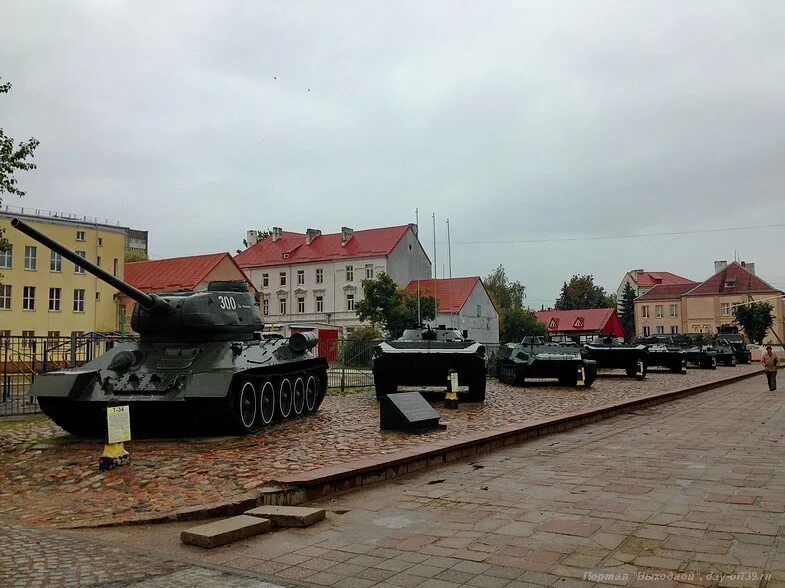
[21, 358]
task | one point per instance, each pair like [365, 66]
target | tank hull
[631, 359]
[673, 360]
[182, 388]
[565, 372]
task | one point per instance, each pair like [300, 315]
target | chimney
[311, 234]
[750, 267]
[251, 238]
[414, 228]
[277, 232]
[346, 234]
[720, 265]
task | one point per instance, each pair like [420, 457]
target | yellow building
[42, 294]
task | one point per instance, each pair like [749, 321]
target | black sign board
[408, 411]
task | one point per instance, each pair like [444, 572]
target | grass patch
[24, 421]
[349, 390]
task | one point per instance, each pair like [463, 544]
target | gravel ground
[52, 478]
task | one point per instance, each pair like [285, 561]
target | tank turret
[201, 364]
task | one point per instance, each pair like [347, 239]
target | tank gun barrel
[142, 298]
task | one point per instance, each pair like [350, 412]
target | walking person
[769, 361]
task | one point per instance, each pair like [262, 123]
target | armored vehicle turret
[613, 353]
[424, 357]
[535, 358]
[200, 364]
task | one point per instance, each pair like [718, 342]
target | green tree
[627, 312]
[392, 308]
[755, 319]
[13, 158]
[135, 255]
[519, 322]
[580, 292]
[359, 344]
[504, 293]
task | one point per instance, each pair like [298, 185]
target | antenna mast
[449, 264]
[417, 222]
[435, 275]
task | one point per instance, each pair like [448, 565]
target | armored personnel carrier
[731, 336]
[697, 352]
[424, 357]
[726, 354]
[613, 353]
[200, 364]
[533, 357]
[664, 352]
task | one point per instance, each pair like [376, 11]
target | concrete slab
[225, 531]
[288, 516]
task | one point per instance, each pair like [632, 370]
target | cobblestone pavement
[37, 558]
[49, 477]
[690, 492]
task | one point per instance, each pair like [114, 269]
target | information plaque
[118, 424]
[407, 411]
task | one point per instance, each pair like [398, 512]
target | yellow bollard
[684, 366]
[581, 376]
[118, 430]
[639, 374]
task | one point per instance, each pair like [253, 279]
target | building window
[5, 335]
[28, 338]
[319, 275]
[479, 310]
[300, 277]
[660, 330]
[350, 273]
[645, 311]
[658, 311]
[646, 331]
[265, 280]
[301, 304]
[79, 300]
[674, 310]
[350, 302]
[369, 271]
[83, 255]
[725, 308]
[30, 257]
[115, 266]
[54, 299]
[98, 261]
[28, 298]
[5, 296]
[282, 306]
[266, 306]
[5, 256]
[319, 303]
[97, 296]
[282, 276]
[100, 241]
[80, 235]
[674, 330]
[52, 337]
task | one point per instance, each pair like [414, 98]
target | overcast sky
[522, 122]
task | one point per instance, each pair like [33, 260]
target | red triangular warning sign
[578, 323]
[554, 324]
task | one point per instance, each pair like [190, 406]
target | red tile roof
[450, 294]
[646, 279]
[588, 320]
[667, 291]
[173, 274]
[364, 243]
[734, 279]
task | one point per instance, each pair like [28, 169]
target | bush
[358, 346]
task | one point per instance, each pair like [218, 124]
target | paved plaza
[51, 478]
[691, 492]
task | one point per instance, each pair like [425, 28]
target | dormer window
[286, 256]
[730, 283]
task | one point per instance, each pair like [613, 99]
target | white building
[317, 278]
[463, 304]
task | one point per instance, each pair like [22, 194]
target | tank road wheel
[310, 394]
[285, 398]
[267, 403]
[299, 396]
[244, 406]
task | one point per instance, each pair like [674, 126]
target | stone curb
[306, 486]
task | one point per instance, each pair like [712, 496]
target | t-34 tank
[424, 357]
[613, 353]
[664, 352]
[200, 365]
[533, 357]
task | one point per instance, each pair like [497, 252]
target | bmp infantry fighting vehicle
[664, 352]
[533, 357]
[424, 357]
[613, 353]
[200, 362]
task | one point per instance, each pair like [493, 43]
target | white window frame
[658, 311]
[646, 331]
[55, 299]
[645, 311]
[83, 255]
[265, 280]
[266, 306]
[301, 304]
[80, 236]
[5, 296]
[350, 273]
[320, 303]
[55, 262]
[79, 297]
[674, 330]
[319, 275]
[300, 277]
[660, 330]
[674, 310]
[282, 305]
[7, 257]
[28, 298]
[724, 308]
[282, 280]
[349, 302]
[31, 257]
[369, 271]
